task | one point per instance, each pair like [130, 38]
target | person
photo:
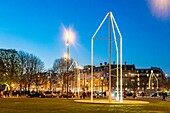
[164, 94]
[134, 94]
[124, 94]
[84, 94]
[143, 94]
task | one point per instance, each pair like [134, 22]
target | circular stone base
[112, 102]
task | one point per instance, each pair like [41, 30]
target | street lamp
[67, 57]
[102, 83]
[69, 36]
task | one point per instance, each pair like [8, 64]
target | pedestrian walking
[164, 94]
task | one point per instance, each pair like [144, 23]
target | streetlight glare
[69, 35]
[160, 8]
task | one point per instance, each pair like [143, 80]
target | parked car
[48, 94]
[64, 95]
[97, 94]
[35, 94]
[129, 94]
[156, 94]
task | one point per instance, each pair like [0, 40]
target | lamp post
[102, 84]
[67, 57]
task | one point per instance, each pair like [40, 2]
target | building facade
[133, 78]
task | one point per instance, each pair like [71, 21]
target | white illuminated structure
[152, 75]
[73, 66]
[113, 23]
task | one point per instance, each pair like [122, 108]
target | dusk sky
[36, 26]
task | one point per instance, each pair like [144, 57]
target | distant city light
[160, 8]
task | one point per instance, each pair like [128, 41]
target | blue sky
[36, 27]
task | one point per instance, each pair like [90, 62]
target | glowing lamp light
[12, 85]
[69, 35]
[65, 56]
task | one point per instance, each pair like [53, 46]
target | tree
[60, 67]
[2, 70]
[31, 67]
[11, 60]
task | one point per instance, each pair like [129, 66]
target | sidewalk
[158, 97]
[13, 97]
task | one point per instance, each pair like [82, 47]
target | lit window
[138, 84]
[132, 80]
[138, 79]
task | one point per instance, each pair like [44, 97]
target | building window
[138, 84]
[132, 75]
[138, 79]
[132, 80]
[125, 75]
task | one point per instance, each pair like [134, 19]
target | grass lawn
[55, 105]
